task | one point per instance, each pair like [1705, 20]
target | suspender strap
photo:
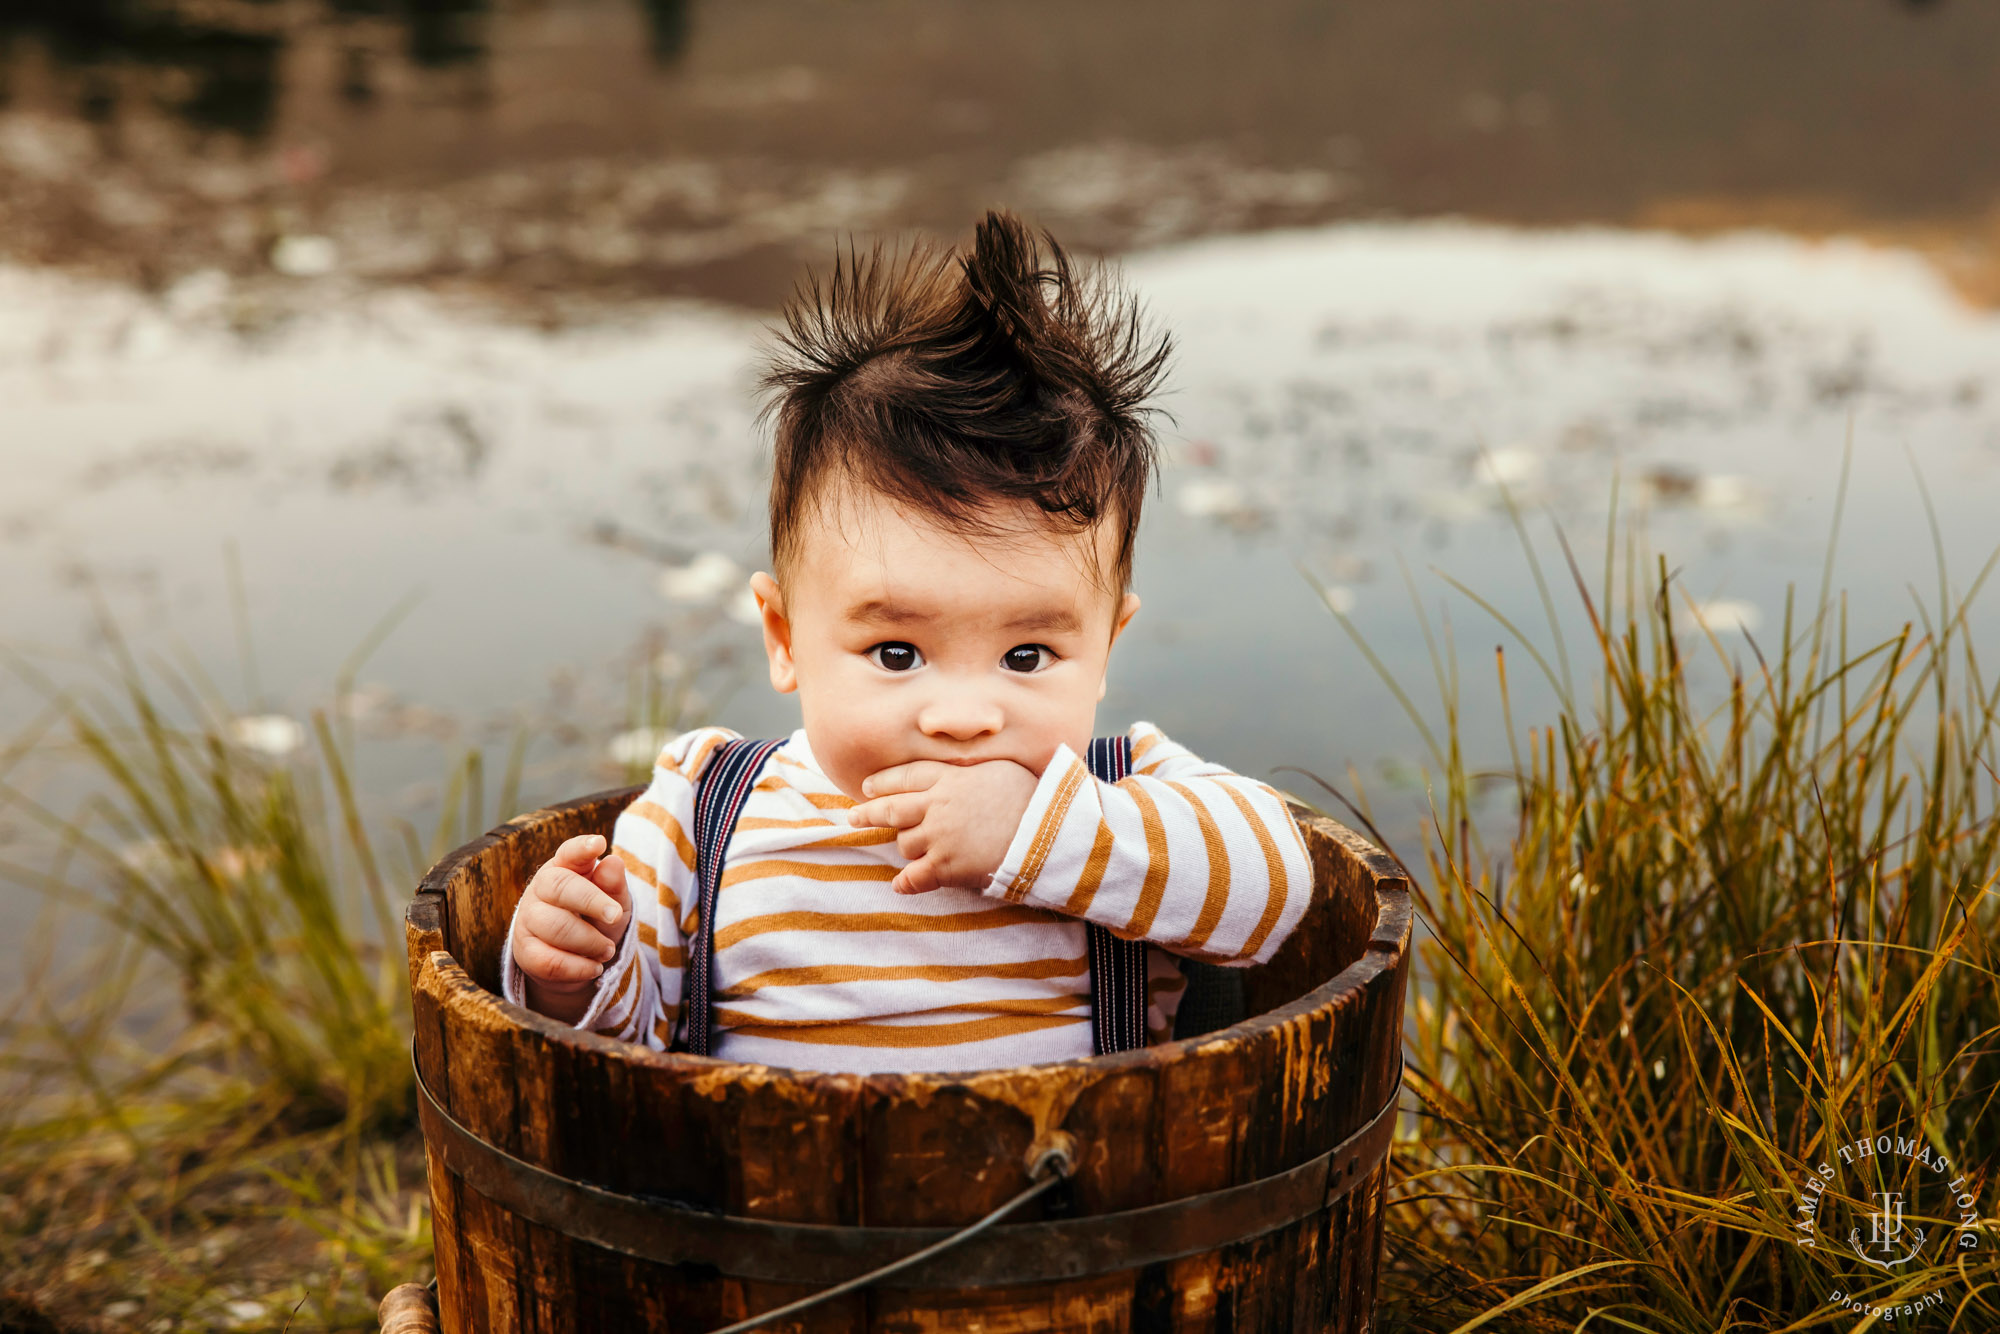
[1118, 999]
[720, 793]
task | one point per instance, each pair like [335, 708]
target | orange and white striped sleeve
[638, 997]
[1188, 855]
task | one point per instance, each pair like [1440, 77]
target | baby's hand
[569, 926]
[956, 819]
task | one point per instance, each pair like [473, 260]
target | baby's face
[908, 642]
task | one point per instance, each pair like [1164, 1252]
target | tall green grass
[1733, 927]
[213, 1115]
[209, 1123]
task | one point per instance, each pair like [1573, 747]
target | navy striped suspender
[1118, 999]
[719, 796]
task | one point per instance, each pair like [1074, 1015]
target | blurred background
[379, 458]
[395, 358]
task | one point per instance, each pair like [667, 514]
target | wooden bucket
[1231, 1181]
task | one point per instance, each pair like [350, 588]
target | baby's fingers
[578, 854]
[610, 877]
[545, 963]
[897, 812]
[564, 930]
[919, 877]
[912, 777]
[567, 889]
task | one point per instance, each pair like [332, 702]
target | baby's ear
[1127, 609]
[777, 632]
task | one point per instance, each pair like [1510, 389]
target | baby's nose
[961, 715]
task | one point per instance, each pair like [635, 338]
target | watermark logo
[1885, 1230]
[1874, 1206]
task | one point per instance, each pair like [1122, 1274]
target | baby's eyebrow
[1061, 620]
[880, 611]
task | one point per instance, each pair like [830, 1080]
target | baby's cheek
[842, 725]
[845, 770]
[848, 756]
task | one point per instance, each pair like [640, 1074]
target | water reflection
[668, 25]
[215, 76]
[541, 147]
[1349, 399]
[446, 32]
[221, 68]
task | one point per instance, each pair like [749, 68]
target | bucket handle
[1049, 1167]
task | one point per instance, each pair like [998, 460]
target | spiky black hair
[947, 379]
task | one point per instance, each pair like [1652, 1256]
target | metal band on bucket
[666, 1232]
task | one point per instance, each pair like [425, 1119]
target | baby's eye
[1027, 657]
[897, 657]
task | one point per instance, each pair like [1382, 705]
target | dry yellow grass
[1726, 937]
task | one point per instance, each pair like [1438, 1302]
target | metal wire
[1051, 1169]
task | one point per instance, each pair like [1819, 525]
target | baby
[962, 450]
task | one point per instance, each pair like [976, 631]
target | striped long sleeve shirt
[820, 965]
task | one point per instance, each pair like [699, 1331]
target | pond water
[455, 312]
[1350, 401]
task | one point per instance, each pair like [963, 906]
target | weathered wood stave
[1319, 1055]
